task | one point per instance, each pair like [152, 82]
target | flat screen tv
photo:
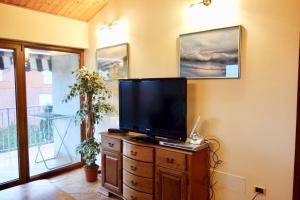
[155, 107]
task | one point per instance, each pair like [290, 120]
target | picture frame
[210, 54]
[113, 62]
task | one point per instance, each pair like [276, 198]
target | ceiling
[82, 10]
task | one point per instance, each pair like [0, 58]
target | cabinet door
[112, 171]
[170, 184]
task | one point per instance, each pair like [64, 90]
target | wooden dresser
[139, 171]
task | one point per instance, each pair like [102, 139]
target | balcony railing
[39, 132]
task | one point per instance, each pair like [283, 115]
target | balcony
[42, 135]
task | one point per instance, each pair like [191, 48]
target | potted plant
[94, 105]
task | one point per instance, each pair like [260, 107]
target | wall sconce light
[113, 33]
[196, 11]
[109, 26]
[204, 2]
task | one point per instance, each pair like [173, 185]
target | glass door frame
[20, 114]
[21, 110]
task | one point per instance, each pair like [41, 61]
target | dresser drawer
[170, 159]
[111, 144]
[131, 194]
[140, 184]
[137, 152]
[138, 167]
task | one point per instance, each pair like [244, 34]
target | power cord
[214, 162]
[255, 196]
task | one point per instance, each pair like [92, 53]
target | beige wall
[254, 116]
[23, 24]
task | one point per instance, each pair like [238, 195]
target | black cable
[214, 162]
[255, 196]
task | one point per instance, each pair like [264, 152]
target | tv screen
[156, 107]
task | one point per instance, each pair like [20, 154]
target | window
[39, 64]
[47, 77]
[1, 63]
[50, 120]
[47, 117]
[9, 157]
[45, 99]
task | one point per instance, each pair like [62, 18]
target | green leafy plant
[90, 86]
[89, 149]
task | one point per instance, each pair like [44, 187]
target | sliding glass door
[9, 156]
[38, 134]
[52, 133]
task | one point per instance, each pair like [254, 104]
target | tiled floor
[74, 183]
[9, 162]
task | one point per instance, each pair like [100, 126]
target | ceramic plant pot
[91, 173]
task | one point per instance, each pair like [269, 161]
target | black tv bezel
[155, 133]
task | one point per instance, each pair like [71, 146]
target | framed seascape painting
[210, 54]
[112, 61]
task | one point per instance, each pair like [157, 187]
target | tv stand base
[145, 138]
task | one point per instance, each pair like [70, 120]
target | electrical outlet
[259, 189]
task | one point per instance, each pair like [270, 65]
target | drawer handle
[133, 168]
[134, 183]
[111, 144]
[133, 153]
[170, 160]
[133, 198]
